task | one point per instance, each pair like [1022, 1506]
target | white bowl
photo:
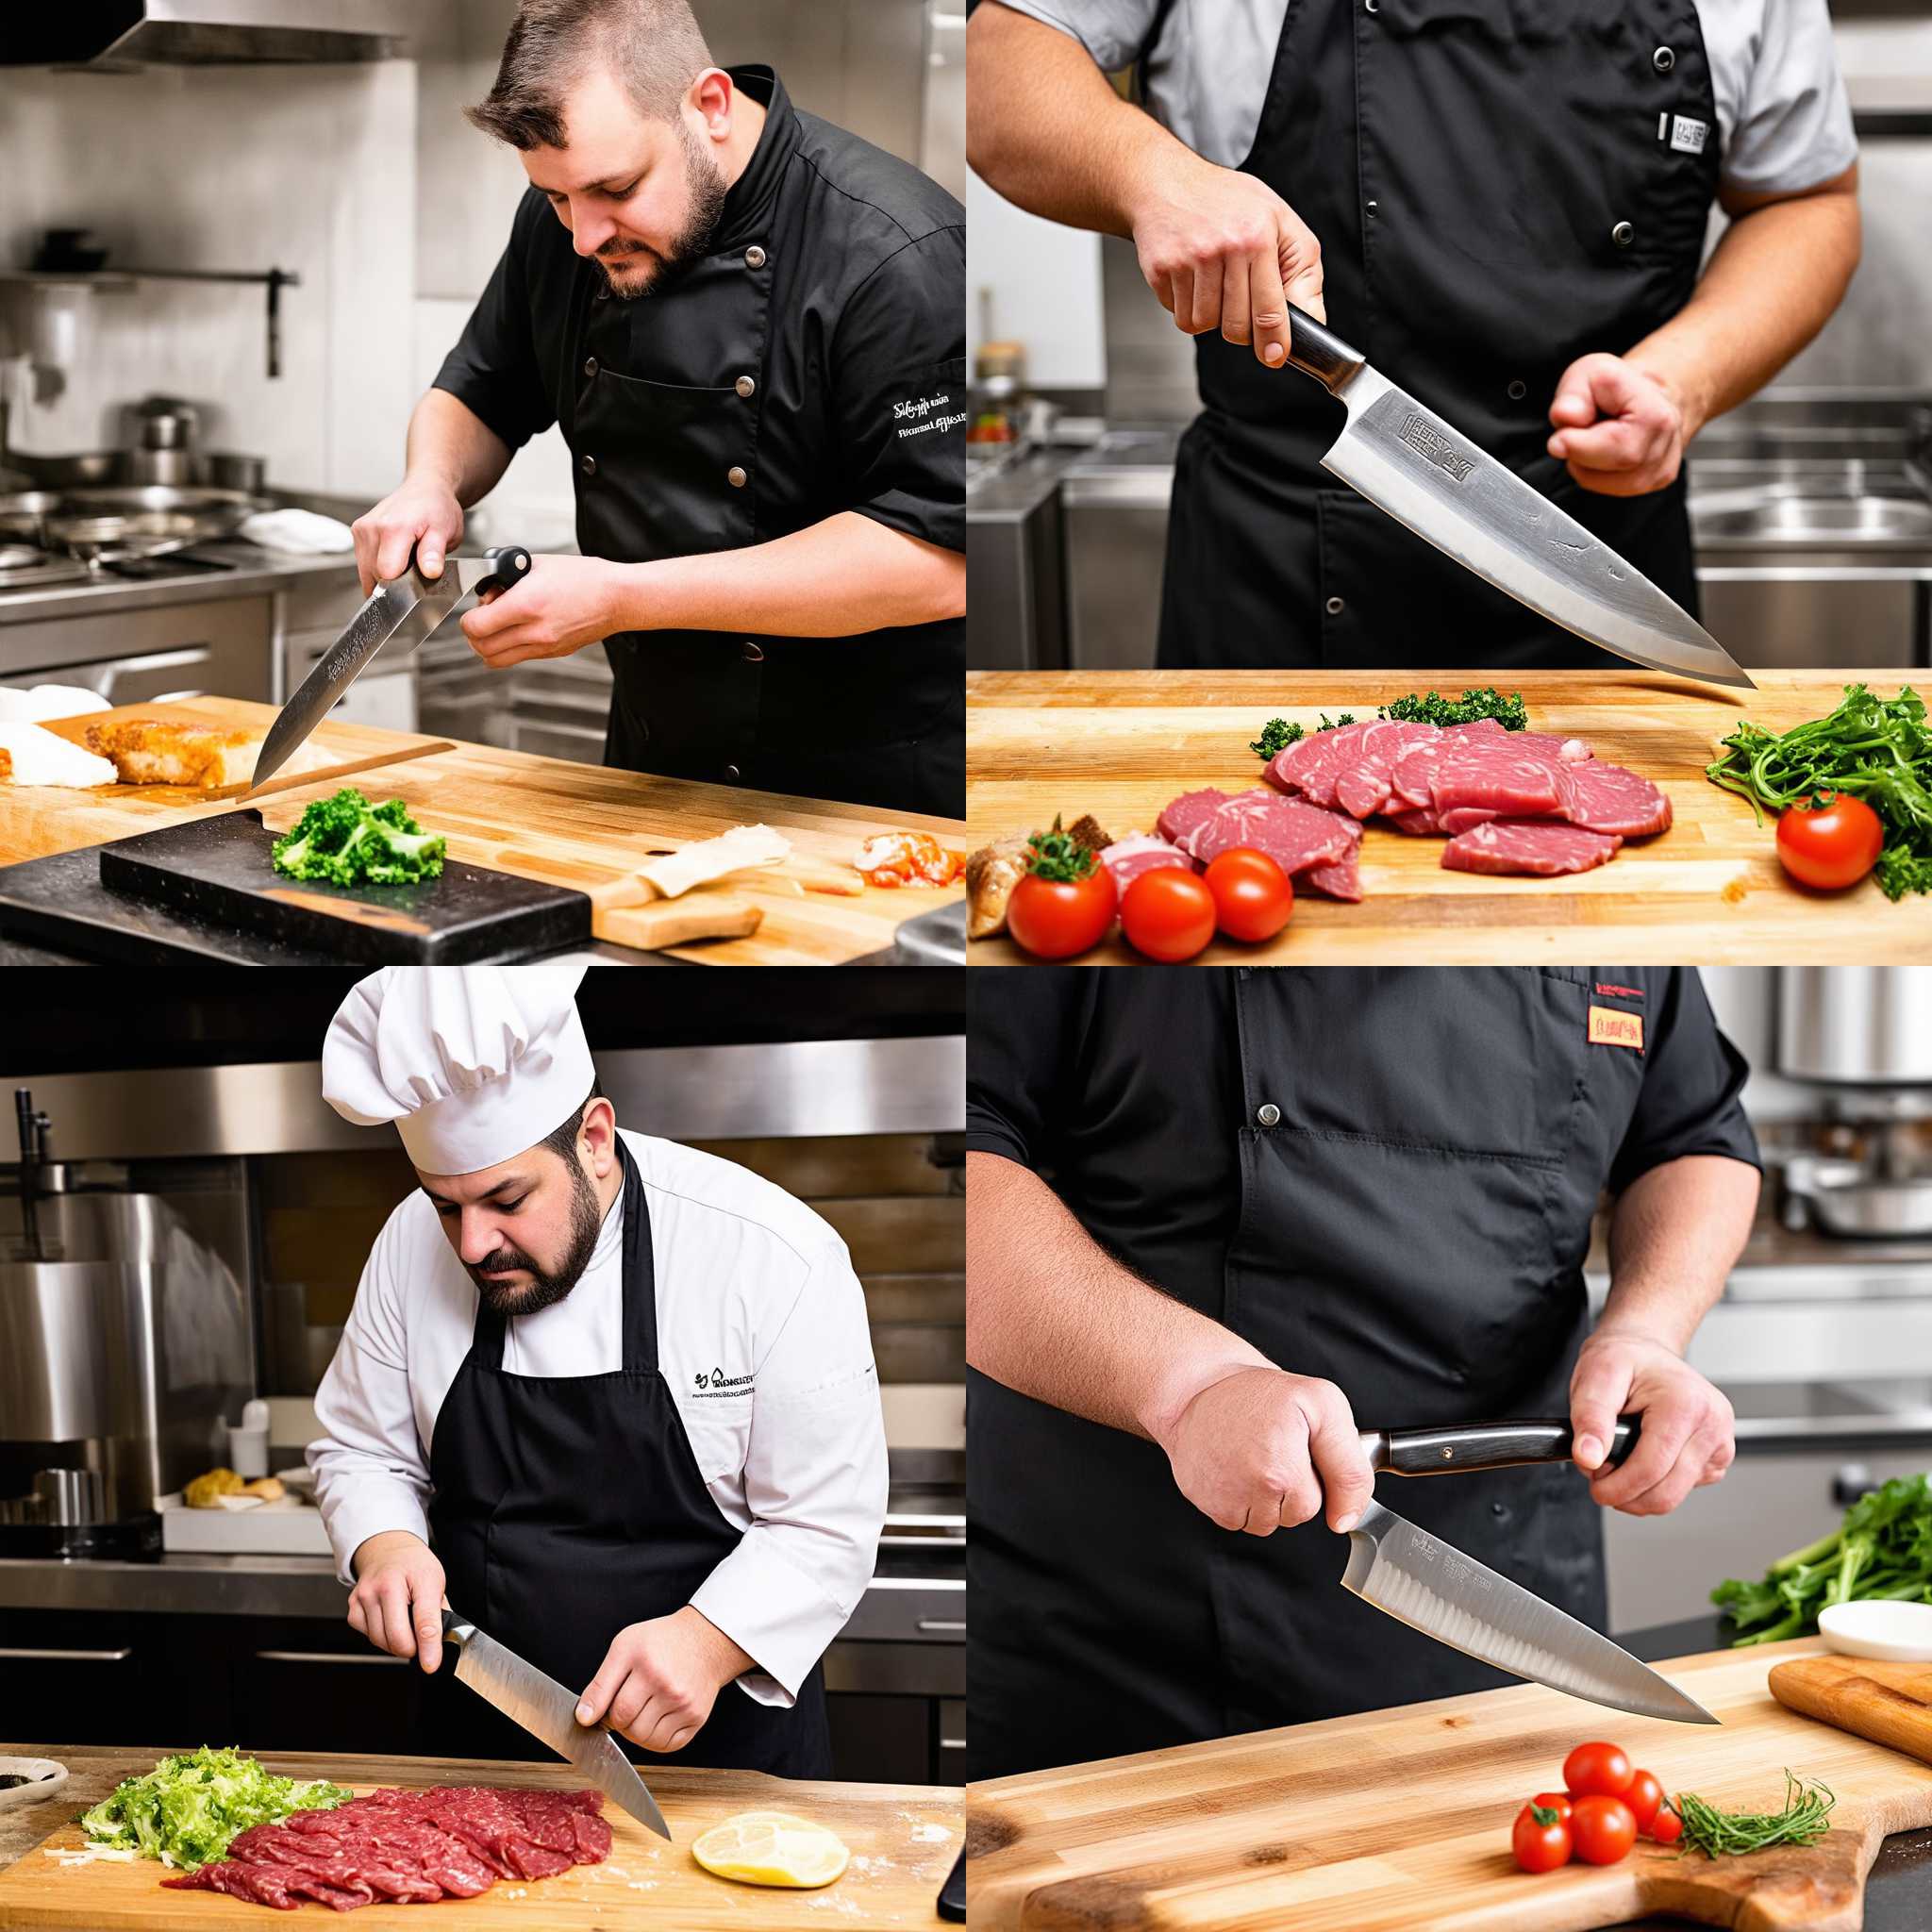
[46, 1774]
[1902, 1633]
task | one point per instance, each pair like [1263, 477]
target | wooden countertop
[1121, 744]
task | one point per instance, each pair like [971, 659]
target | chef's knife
[1436, 1589]
[399, 614]
[544, 1708]
[1408, 461]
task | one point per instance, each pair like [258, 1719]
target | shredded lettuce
[186, 1809]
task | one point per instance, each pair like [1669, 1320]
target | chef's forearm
[846, 575]
[1674, 1234]
[450, 445]
[1050, 1313]
[1772, 283]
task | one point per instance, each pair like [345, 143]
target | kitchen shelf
[118, 280]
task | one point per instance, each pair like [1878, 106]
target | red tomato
[1602, 1829]
[1557, 1802]
[1597, 1769]
[1055, 919]
[1667, 1827]
[1830, 847]
[1541, 1844]
[1644, 1796]
[1167, 913]
[1252, 896]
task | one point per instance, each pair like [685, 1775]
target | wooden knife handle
[1318, 351]
[1483, 1445]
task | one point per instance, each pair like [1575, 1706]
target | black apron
[1413, 1227]
[566, 1508]
[1496, 190]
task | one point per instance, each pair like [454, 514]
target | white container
[288, 1528]
[1898, 1633]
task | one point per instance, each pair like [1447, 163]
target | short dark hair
[655, 47]
[562, 1139]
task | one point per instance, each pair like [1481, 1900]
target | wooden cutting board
[1121, 744]
[902, 1840]
[501, 808]
[1398, 1820]
[1889, 1703]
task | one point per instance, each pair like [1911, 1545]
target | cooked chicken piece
[165, 751]
[992, 873]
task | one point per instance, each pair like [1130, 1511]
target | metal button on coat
[1622, 234]
[735, 476]
[1517, 389]
[590, 365]
[1334, 606]
[1375, 209]
[754, 654]
[587, 465]
[731, 772]
[753, 257]
[1267, 1113]
[744, 385]
[1663, 60]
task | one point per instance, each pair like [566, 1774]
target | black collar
[747, 212]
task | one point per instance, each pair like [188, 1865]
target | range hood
[121, 34]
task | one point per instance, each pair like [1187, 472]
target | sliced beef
[1416, 762]
[1418, 822]
[1128, 858]
[261, 1885]
[1187, 814]
[1294, 834]
[1341, 880]
[1515, 845]
[1613, 798]
[1502, 779]
[1310, 767]
[1350, 766]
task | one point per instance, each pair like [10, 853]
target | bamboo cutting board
[1398, 1820]
[545, 818]
[902, 1840]
[1121, 744]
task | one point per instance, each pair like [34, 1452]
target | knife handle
[1483, 1445]
[455, 1630]
[1316, 350]
[510, 564]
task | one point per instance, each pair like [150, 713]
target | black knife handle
[455, 1630]
[1318, 351]
[1483, 1445]
[953, 1893]
[510, 564]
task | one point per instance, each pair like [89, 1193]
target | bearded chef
[611, 1397]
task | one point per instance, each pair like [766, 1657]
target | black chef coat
[811, 362]
[1412, 1225]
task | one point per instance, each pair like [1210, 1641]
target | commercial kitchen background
[1811, 506]
[361, 178]
[205, 1217]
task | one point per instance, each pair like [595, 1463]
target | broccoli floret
[348, 842]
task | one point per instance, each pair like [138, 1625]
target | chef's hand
[1261, 1450]
[1224, 251]
[658, 1679]
[564, 603]
[1685, 1440]
[397, 1601]
[1619, 431]
[423, 515]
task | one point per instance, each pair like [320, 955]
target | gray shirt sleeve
[1780, 99]
[1113, 31]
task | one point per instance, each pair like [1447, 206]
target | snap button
[744, 385]
[1622, 234]
[735, 476]
[1267, 1113]
[1373, 6]
[1517, 389]
[731, 772]
[1373, 210]
[1334, 606]
[754, 654]
[1663, 60]
[753, 257]
[590, 365]
[587, 465]
[604, 294]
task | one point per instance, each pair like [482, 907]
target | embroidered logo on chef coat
[1610, 1027]
[923, 415]
[718, 1382]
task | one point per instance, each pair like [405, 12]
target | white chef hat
[472, 1063]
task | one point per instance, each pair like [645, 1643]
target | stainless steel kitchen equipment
[164, 429]
[103, 526]
[120, 34]
[226, 469]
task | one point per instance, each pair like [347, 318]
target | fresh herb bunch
[1279, 734]
[186, 1809]
[1482, 702]
[348, 842]
[1877, 749]
[1725, 1834]
[1059, 856]
[1883, 1550]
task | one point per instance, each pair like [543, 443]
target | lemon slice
[770, 1848]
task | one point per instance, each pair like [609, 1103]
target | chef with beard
[750, 326]
[611, 1398]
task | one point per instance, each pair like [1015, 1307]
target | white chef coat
[761, 1338]
[1783, 120]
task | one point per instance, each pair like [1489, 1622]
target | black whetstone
[220, 868]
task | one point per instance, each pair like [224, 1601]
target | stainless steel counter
[250, 572]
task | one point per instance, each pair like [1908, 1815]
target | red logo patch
[1620, 992]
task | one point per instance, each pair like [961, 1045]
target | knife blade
[544, 1708]
[399, 614]
[1406, 460]
[1434, 1588]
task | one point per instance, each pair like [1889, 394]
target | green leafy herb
[1877, 749]
[186, 1809]
[1279, 734]
[348, 842]
[1883, 1550]
[1725, 1834]
[1484, 702]
[1060, 856]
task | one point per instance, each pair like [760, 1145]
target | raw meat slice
[1309, 767]
[1128, 858]
[1463, 818]
[1350, 766]
[1613, 798]
[1418, 759]
[1514, 845]
[1418, 822]
[1187, 814]
[1294, 834]
[1341, 880]
[1502, 780]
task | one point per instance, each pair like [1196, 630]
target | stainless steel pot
[228, 470]
[1855, 1025]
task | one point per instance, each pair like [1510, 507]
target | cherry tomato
[1667, 1827]
[1830, 847]
[1167, 913]
[1252, 896]
[1557, 1802]
[1541, 1844]
[1055, 919]
[1602, 1829]
[1644, 1796]
[1598, 1771]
